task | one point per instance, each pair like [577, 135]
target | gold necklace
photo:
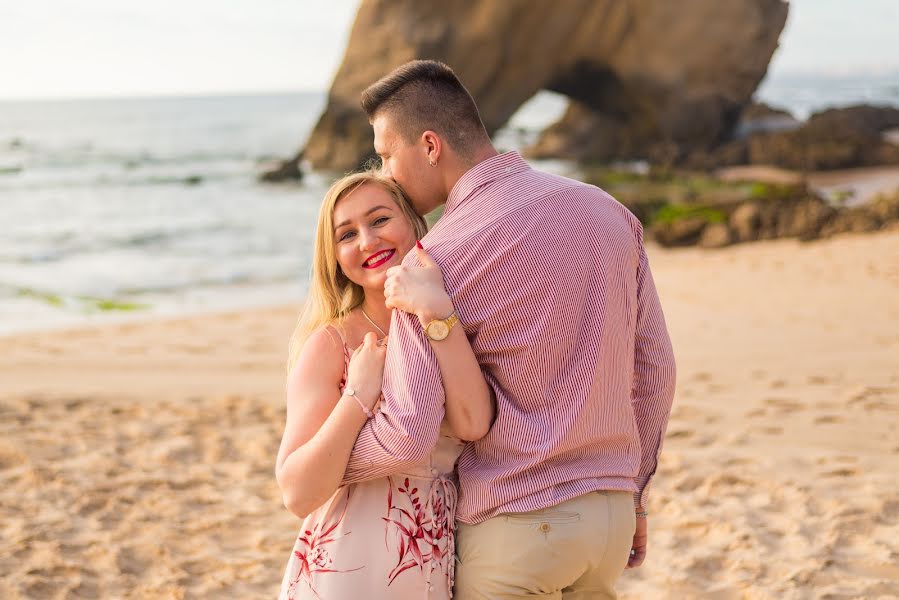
[375, 325]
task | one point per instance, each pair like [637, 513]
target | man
[550, 280]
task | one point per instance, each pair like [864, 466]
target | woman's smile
[379, 258]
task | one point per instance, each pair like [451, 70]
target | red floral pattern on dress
[424, 530]
[312, 556]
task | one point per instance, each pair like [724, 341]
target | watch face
[437, 330]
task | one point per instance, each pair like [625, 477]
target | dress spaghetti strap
[332, 329]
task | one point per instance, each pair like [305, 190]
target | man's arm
[654, 375]
[406, 428]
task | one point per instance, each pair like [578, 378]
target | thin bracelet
[349, 391]
[642, 514]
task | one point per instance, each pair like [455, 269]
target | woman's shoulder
[323, 355]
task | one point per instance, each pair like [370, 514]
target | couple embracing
[476, 410]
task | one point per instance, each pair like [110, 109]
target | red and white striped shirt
[550, 280]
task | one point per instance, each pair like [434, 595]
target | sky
[100, 48]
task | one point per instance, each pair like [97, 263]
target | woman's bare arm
[322, 425]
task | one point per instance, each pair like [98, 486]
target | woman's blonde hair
[332, 296]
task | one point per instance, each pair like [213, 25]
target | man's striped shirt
[551, 282]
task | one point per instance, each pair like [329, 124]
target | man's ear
[433, 145]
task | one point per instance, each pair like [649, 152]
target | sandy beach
[136, 460]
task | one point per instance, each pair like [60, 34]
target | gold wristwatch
[438, 329]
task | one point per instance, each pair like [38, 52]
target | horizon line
[798, 74]
[161, 95]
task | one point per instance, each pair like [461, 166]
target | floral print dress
[388, 538]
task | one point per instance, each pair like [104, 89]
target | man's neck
[486, 152]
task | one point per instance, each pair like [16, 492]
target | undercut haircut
[424, 95]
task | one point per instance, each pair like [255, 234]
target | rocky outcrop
[806, 217]
[647, 78]
[832, 139]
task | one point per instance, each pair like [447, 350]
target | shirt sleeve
[405, 429]
[654, 377]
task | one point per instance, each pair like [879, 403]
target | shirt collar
[487, 171]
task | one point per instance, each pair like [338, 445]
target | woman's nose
[368, 239]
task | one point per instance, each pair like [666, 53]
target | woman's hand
[366, 370]
[418, 290]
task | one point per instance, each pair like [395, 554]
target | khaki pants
[575, 550]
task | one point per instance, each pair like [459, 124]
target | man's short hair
[426, 95]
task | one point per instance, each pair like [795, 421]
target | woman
[390, 537]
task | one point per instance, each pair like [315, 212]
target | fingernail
[418, 243]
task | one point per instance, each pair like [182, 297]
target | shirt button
[430, 588]
[435, 472]
[544, 527]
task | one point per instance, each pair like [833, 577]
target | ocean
[119, 209]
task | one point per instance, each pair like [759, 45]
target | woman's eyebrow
[368, 212]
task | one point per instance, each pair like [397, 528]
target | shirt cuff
[641, 496]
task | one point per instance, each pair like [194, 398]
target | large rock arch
[648, 78]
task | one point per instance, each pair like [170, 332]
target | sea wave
[136, 293]
[43, 247]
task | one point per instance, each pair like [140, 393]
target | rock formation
[804, 216]
[647, 78]
[836, 138]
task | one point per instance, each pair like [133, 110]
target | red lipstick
[382, 257]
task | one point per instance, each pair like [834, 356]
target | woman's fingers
[370, 339]
[423, 257]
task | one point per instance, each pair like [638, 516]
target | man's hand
[638, 547]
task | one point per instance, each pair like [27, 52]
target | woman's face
[371, 234]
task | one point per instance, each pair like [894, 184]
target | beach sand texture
[136, 460]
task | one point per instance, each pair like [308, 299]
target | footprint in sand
[868, 392]
[134, 560]
[688, 484]
[828, 419]
[843, 458]
[86, 589]
[685, 412]
[10, 456]
[91, 506]
[785, 405]
[40, 589]
[680, 434]
[842, 472]
[193, 348]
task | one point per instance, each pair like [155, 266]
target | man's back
[552, 284]
[549, 278]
